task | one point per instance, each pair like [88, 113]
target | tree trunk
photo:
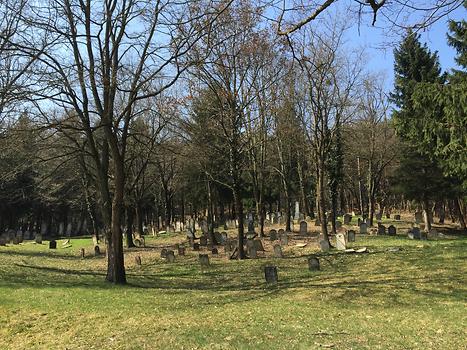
[129, 228]
[460, 214]
[322, 202]
[427, 214]
[239, 211]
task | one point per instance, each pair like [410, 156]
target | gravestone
[204, 227]
[181, 250]
[313, 263]
[278, 251]
[392, 230]
[69, 229]
[423, 236]
[258, 245]
[251, 252]
[53, 244]
[363, 228]
[15, 240]
[397, 217]
[82, 253]
[347, 219]
[19, 236]
[324, 245]
[381, 229]
[2, 241]
[170, 256]
[97, 250]
[273, 235]
[224, 237]
[317, 223]
[340, 241]
[27, 235]
[351, 236]
[388, 215]
[204, 259]
[164, 253]
[138, 260]
[219, 238]
[418, 217]
[338, 224]
[38, 238]
[303, 228]
[203, 241]
[416, 233]
[284, 238]
[270, 274]
[250, 243]
[214, 251]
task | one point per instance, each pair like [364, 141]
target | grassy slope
[411, 299]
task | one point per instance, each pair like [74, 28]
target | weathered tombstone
[363, 228]
[278, 251]
[53, 244]
[340, 241]
[252, 252]
[204, 227]
[38, 238]
[224, 237]
[27, 235]
[418, 217]
[204, 259]
[303, 228]
[203, 241]
[250, 243]
[270, 274]
[214, 251]
[281, 231]
[97, 250]
[313, 263]
[273, 235]
[416, 233]
[351, 236]
[284, 238]
[19, 236]
[324, 245]
[164, 253]
[82, 253]
[181, 250]
[338, 224]
[138, 260]
[397, 217]
[347, 219]
[170, 256]
[258, 245]
[381, 229]
[196, 247]
[392, 230]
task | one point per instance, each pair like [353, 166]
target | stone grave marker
[388, 215]
[381, 229]
[53, 244]
[252, 252]
[340, 241]
[317, 223]
[258, 244]
[38, 238]
[297, 211]
[273, 235]
[284, 238]
[270, 274]
[397, 217]
[2, 240]
[416, 233]
[392, 230]
[347, 219]
[363, 228]
[170, 256]
[324, 245]
[313, 263]
[27, 235]
[97, 250]
[281, 231]
[351, 236]
[138, 260]
[418, 217]
[278, 251]
[19, 236]
[204, 259]
[303, 228]
[379, 216]
[95, 241]
[219, 238]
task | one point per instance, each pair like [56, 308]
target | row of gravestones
[12, 237]
[271, 276]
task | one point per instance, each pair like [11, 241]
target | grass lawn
[414, 298]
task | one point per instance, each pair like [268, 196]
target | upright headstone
[204, 259]
[284, 238]
[363, 228]
[170, 257]
[270, 274]
[347, 219]
[2, 241]
[338, 224]
[351, 236]
[392, 230]
[397, 217]
[273, 235]
[95, 241]
[340, 241]
[303, 228]
[416, 233]
[203, 241]
[27, 235]
[381, 229]
[19, 236]
[313, 263]
[97, 250]
[252, 252]
[38, 238]
[418, 217]
[324, 245]
[278, 251]
[53, 244]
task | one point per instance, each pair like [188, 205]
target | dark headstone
[363, 228]
[38, 238]
[351, 236]
[347, 219]
[2, 241]
[397, 217]
[303, 227]
[170, 256]
[324, 245]
[381, 229]
[82, 253]
[392, 230]
[270, 274]
[53, 244]
[313, 263]
[203, 241]
[273, 235]
[204, 259]
[97, 250]
[251, 252]
[258, 245]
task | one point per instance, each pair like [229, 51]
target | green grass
[411, 299]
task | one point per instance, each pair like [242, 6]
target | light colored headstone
[340, 241]
[278, 251]
[284, 238]
[303, 228]
[297, 211]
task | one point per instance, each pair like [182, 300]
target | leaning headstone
[303, 227]
[164, 253]
[351, 236]
[204, 259]
[278, 251]
[181, 250]
[53, 244]
[313, 263]
[381, 229]
[38, 238]
[397, 217]
[347, 219]
[363, 228]
[138, 260]
[170, 256]
[270, 274]
[273, 235]
[324, 245]
[340, 241]
[392, 230]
